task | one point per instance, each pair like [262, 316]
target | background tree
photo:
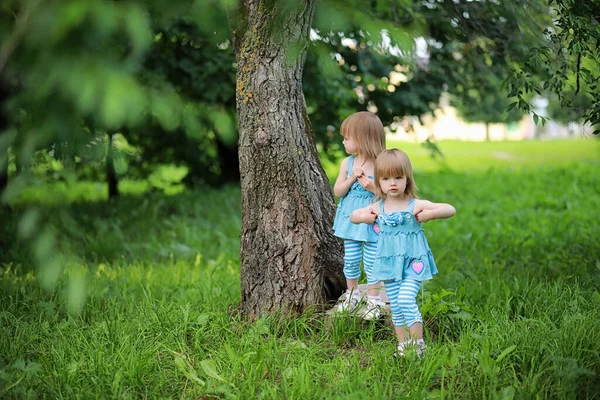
[71, 65]
[488, 104]
[569, 47]
[202, 71]
[4, 135]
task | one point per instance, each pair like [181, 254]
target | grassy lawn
[476, 156]
[148, 294]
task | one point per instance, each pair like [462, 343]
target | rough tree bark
[4, 124]
[111, 174]
[290, 258]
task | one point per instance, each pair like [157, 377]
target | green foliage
[202, 71]
[364, 59]
[566, 63]
[167, 178]
[472, 45]
[79, 68]
[164, 74]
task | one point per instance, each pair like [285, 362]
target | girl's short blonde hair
[366, 130]
[392, 163]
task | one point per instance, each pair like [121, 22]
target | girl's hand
[372, 214]
[364, 215]
[367, 183]
[424, 216]
[357, 172]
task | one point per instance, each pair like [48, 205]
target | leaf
[288, 373]
[138, 28]
[187, 371]
[506, 352]
[203, 319]
[165, 108]
[507, 393]
[487, 364]
[29, 368]
[209, 369]
[329, 18]
[224, 125]
[29, 223]
[444, 293]
[76, 292]
[461, 315]
[233, 356]
[180, 363]
[112, 106]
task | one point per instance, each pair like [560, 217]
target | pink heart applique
[376, 229]
[417, 266]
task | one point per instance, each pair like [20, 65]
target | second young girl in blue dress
[364, 139]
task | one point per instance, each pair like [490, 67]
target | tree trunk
[3, 170]
[4, 124]
[3, 178]
[290, 258]
[229, 161]
[487, 132]
[111, 173]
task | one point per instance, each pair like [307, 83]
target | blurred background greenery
[144, 90]
[100, 98]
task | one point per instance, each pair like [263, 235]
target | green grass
[148, 294]
[515, 155]
[477, 156]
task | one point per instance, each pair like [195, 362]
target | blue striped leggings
[354, 251]
[403, 301]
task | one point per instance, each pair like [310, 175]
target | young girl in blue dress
[403, 258]
[364, 139]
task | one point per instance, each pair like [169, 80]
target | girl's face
[393, 186]
[350, 145]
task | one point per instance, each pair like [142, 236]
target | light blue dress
[402, 250]
[356, 197]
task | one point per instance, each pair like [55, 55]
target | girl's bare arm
[343, 183]
[425, 210]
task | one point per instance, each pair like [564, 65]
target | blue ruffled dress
[356, 197]
[402, 250]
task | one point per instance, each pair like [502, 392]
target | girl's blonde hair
[392, 163]
[366, 130]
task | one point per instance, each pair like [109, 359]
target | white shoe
[347, 303]
[373, 309]
[400, 351]
[418, 346]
